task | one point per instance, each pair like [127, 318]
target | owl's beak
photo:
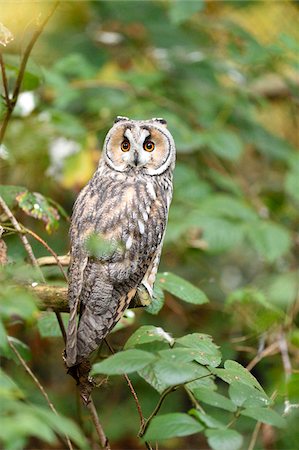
[136, 158]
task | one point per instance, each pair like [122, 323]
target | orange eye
[149, 146]
[125, 146]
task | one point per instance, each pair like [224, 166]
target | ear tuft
[161, 121]
[120, 119]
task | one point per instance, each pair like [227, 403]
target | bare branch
[99, 429]
[271, 350]
[55, 297]
[64, 260]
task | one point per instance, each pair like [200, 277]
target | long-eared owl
[126, 202]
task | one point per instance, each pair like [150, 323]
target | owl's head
[142, 145]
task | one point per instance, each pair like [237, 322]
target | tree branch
[10, 105]
[55, 297]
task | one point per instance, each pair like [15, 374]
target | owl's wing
[76, 274]
[145, 290]
[102, 304]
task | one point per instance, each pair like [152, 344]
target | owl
[126, 204]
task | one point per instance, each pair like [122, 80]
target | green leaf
[244, 395]
[171, 425]
[269, 239]
[182, 10]
[282, 289]
[224, 439]
[8, 388]
[48, 325]
[102, 248]
[220, 234]
[265, 415]
[63, 426]
[181, 288]
[157, 302]
[148, 333]
[4, 347]
[214, 399]
[9, 194]
[205, 351]
[225, 143]
[233, 371]
[250, 307]
[37, 206]
[17, 302]
[292, 185]
[207, 420]
[165, 373]
[222, 205]
[127, 361]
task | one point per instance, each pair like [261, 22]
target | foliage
[223, 74]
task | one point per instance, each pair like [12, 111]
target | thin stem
[4, 80]
[23, 238]
[12, 102]
[50, 250]
[272, 349]
[156, 409]
[38, 384]
[287, 366]
[254, 436]
[99, 429]
[133, 392]
[193, 399]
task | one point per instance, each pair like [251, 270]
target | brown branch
[12, 102]
[38, 384]
[55, 297]
[99, 429]
[64, 260]
[271, 350]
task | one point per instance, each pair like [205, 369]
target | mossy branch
[55, 298]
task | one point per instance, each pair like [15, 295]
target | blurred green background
[225, 77]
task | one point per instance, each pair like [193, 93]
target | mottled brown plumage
[126, 203]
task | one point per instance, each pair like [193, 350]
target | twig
[133, 392]
[23, 238]
[272, 349]
[287, 367]
[4, 80]
[156, 409]
[50, 250]
[99, 429]
[50, 260]
[254, 436]
[38, 384]
[12, 102]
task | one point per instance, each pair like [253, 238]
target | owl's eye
[125, 145]
[149, 146]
